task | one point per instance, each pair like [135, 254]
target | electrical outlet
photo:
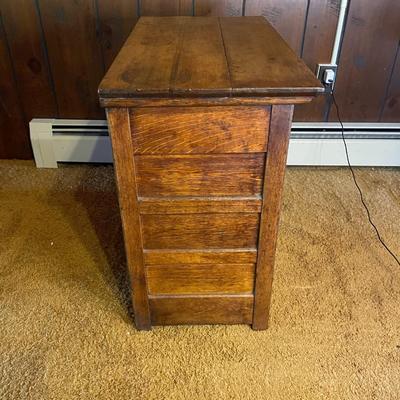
[326, 73]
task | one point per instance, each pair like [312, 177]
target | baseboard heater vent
[318, 144]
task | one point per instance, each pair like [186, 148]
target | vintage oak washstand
[200, 111]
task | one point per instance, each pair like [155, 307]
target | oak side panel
[200, 231]
[281, 118]
[200, 278]
[121, 139]
[286, 16]
[74, 54]
[211, 309]
[199, 205]
[117, 18]
[218, 8]
[196, 256]
[200, 175]
[185, 130]
[25, 40]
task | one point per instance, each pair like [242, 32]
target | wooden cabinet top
[175, 57]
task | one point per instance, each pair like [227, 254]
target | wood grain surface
[199, 205]
[200, 175]
[318, 42]
[261, 62]
[183, 130]
[200, 231]
[24, 33]
[151, 69]
[214, 309]
[286, 16]
[200, 279]
[14, 138]
[75, 55]
[320, 32]
[391, 108]
[192, 180]
[366, 59]
[127, 189]
[79, 38]
[174, 68]
[200, 63]
[166, 8]
[196, 256]
[142, 102]
[281, 119]
[218, 8]
[117, 18]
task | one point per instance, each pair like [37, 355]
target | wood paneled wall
[366, 75]
[53, 54]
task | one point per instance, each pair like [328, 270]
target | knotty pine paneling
[391, 107]
[220, 8]
[287, 17]
[166, 8]
[318, 42]
[368, 53]
[24, 34]
[117, 18]
[14, 139]
[55, 52]
[75, 55]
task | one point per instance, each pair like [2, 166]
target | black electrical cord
[357, 185]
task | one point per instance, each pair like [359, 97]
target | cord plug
[326, 73]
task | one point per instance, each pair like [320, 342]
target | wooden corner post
[275, 164]
[124, 163]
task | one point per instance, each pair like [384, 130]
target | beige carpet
[66, 330]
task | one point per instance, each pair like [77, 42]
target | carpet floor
[66, 329]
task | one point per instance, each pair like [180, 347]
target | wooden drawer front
[200, 175]
[196, 231]
[183, 130]
[201, 309]
[200, 278]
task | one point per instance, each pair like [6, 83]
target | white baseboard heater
[317, 144]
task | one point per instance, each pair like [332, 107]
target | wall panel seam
[346, 21]
[389, 82]
[305, 28]
[46, 57]
[3, 28]
[99, 35]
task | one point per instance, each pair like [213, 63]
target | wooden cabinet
[200, 112]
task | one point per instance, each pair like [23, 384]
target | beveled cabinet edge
[126, 102]
[125, 172]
